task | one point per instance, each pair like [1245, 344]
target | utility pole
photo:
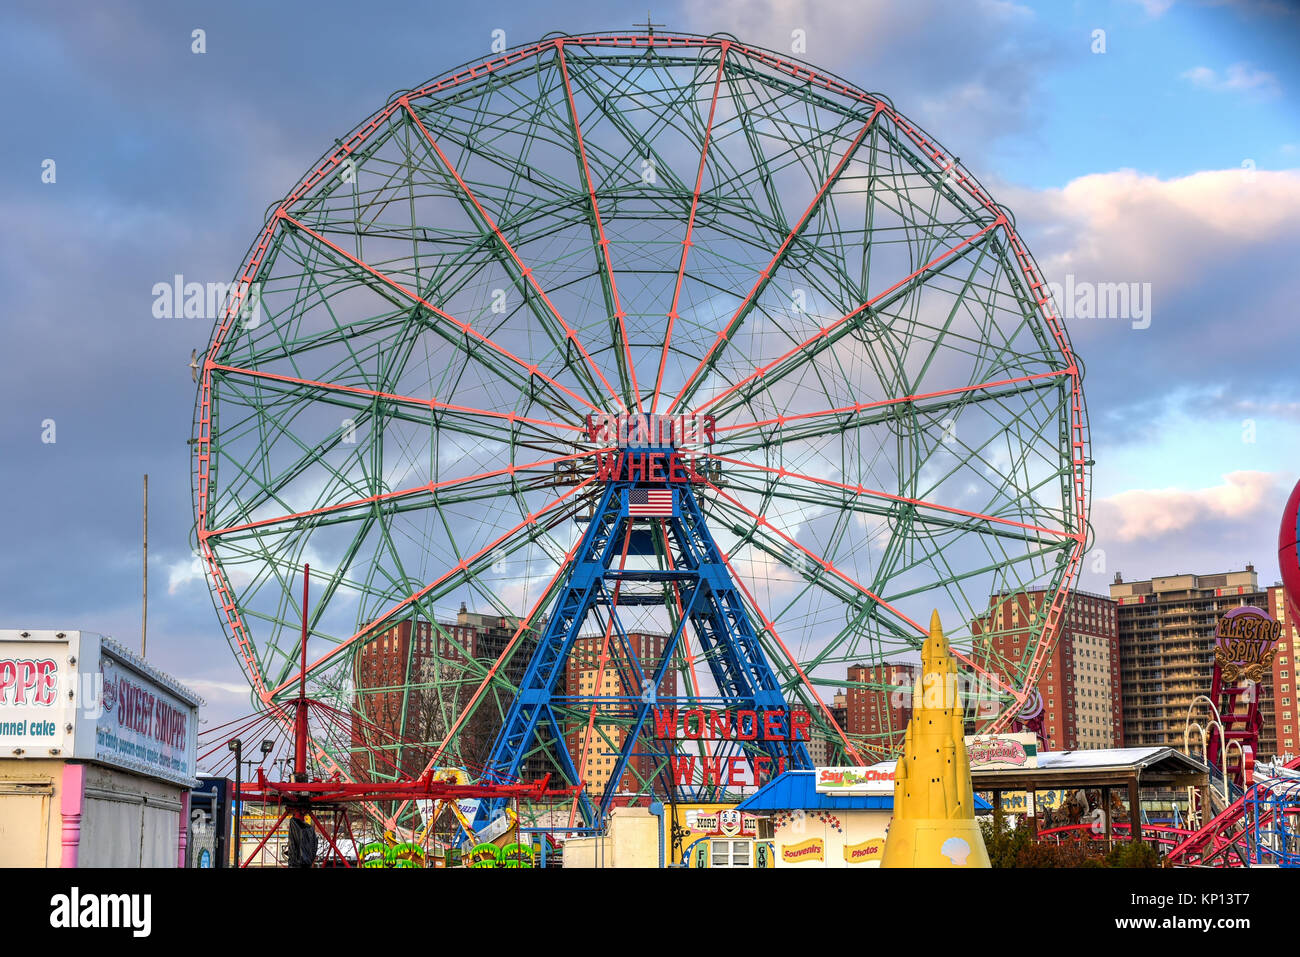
[144, 610]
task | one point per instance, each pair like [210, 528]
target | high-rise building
[384, 697]
[824, 746]
[1081, 678]
[1166, 646]
[840, 709]
[878, 704]
[486, 638]
[595, 745]
[1286, 740]
[411, 684]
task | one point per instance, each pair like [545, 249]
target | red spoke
[462, 566]
[876, 493]
[769, 271]
[505, 244]
[770, 628]
[830, 567]
[690, 229]
[817, 559]
[600, 682]
[427, 488]
[761, 371]
[434, 404]
[496, 666]
[859, 407]
[600, 226]
[464, 327]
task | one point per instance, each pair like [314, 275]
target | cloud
[1246, 7]
[1141, 514]
[211, 688]
[1209, 254]
[1130, 225]
[1221, 402]
[182, 573]
[1158, 8]
[973, 77]
[1238, 78]
[1154, 8]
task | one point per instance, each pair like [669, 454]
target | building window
[730, 854]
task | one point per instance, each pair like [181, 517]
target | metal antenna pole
[144, 611]
[300, 716]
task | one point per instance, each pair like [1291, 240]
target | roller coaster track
[1222, 841]
[1164, 836]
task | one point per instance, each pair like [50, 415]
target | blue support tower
[710, 602]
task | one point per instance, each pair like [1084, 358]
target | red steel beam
[690, 229]
[464, 327]
[427, 488]
[859, 407]
[519, 263]
[600, 226]
[461, 566]
[432, 404]
[765, 276]
[862, 490]
[761, 371]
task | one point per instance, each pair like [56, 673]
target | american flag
[650, 501]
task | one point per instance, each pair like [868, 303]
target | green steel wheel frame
[397, 390]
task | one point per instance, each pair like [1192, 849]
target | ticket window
[731, 854]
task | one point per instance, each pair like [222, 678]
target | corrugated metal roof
[1104, 757]
[797, 790]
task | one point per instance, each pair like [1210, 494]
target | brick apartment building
[878, 705]
[1166, 638]
[412, 681]
[585, 676]
[1285, 739]
[1082, 677]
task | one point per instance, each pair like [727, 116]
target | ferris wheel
[450, 338]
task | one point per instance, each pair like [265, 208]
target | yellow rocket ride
[934, 806]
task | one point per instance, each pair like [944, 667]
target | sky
[1147, 142]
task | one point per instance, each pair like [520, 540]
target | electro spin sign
[1245, 643]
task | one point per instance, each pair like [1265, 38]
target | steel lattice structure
[398, 390]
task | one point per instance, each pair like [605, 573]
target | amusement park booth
[684, 834]
[1093, 790]
[829, 817]
[209, 844]
[97, 754]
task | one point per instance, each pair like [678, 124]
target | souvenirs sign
[813, 849]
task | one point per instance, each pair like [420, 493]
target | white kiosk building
[97, 754]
